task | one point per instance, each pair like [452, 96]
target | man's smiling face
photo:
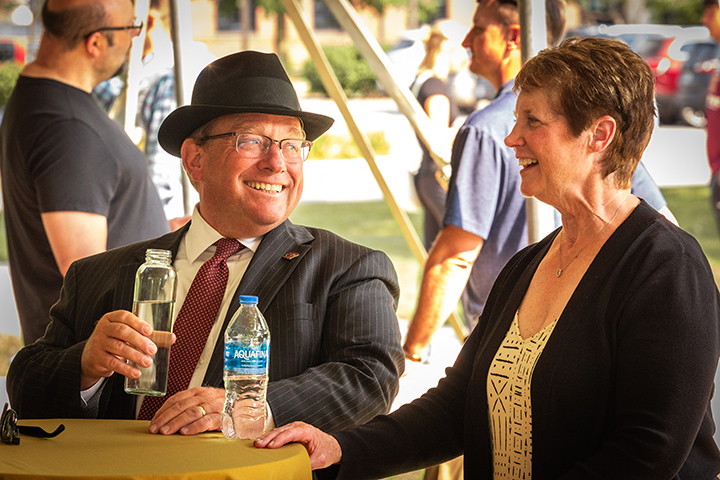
[246, 197]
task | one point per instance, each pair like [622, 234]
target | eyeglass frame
[272, 141]
[117, 29]
[10, 431]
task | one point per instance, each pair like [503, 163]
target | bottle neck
[162, 257]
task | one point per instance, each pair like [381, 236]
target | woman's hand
[323, 449]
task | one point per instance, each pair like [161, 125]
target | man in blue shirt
[485, 221]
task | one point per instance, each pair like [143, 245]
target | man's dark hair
[554, 17]
[73, 24]
[710, 3]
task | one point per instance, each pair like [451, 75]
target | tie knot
[227, 247]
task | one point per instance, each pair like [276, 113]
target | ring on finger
[202, 411]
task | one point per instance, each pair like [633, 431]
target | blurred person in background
[443, 55]
[73, 183]
[596, 352]
[711, 19]
[156, 99]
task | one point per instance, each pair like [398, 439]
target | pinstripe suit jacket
[335, 354]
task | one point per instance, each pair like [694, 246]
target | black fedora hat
[244, 82]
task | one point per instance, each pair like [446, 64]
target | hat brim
[182, 122]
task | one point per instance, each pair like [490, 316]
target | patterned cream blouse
[510, 408]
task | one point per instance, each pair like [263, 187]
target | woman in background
[443, 55]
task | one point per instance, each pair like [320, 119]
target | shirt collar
[506, 87]
[200, 236]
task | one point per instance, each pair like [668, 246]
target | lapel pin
[290, 255]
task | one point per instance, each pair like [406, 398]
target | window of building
[324, 19]
[230, 15]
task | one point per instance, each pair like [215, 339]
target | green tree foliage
[380, 5]
[352, 71]
[663, 12]
[427, 11]
[674, 12]
[9, 73]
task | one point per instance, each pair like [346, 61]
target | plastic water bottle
[154, 302]
[247, 352]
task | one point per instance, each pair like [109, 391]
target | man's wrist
[412, 354]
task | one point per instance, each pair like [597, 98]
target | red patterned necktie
[194, 322]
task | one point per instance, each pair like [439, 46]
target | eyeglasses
[135, 26]
[10, 431]
[254, 145]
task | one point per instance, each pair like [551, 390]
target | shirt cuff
[87, 395]
[269, 421]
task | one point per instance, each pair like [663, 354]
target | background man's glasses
[254, 145]
[136, 27]
[10, 431]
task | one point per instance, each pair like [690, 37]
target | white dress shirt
[194, 250]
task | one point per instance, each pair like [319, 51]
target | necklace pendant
[559, 272]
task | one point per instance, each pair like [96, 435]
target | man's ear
[512, 37]
[95, 44]
[192, 159]
[602, 132]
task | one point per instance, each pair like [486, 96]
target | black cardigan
[621, 391]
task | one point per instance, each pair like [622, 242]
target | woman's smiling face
[552, 160]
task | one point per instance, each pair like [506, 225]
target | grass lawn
[692, 207]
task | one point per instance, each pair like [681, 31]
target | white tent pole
[181, 35]
[533, 38]
[345, 15]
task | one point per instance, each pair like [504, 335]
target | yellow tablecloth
[123, 449]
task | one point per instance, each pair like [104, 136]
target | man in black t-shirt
[73, 183]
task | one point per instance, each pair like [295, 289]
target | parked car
[665, 48]
[703, 60]
[467, 89]
[11, 50]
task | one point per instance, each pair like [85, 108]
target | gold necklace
[562, 269]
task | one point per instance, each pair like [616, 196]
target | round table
[124, 449]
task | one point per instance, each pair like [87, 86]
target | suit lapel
[279, 253]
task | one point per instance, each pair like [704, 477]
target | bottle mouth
[248, 300]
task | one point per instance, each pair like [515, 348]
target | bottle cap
[248, 300]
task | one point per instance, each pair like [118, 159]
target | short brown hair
[591, 77]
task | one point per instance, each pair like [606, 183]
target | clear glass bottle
[154, 302]
[247, 355]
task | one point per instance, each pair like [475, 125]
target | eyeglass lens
[255, 145]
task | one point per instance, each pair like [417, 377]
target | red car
[664, 47]
[666, 56]
[10, 50]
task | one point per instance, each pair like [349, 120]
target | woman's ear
[602, 132]
[192, 159]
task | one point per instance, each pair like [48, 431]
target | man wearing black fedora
[335, 356]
